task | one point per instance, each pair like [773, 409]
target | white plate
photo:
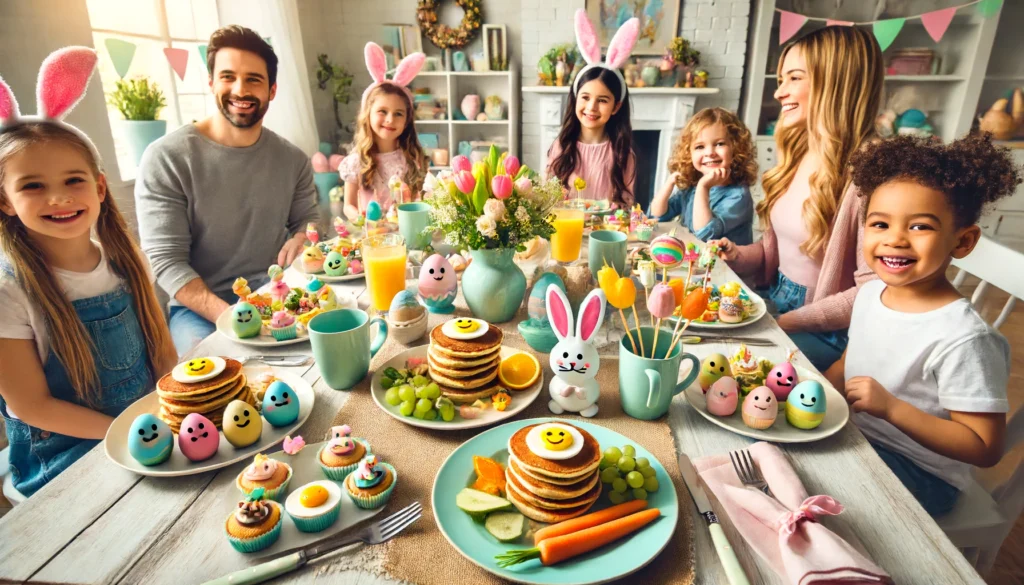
[837, 413]
[224, 328]
[520, 398]
[116, 441]
[297, 267]
[760, 310]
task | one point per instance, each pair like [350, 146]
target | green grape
[626, 464]
[430, 414]
[642, 462]
[648, 472]
[423, 405]
[432, 391]
[391, 397]
[629, 451]
[420, 414]
[407, 408]
[616, 498]
[609, 475]
[640, 494]
[604, 464]
[619, 485]
[421, 392]
[447, 413]
[386, 382]
[419, 381]
[612, 455]
[406, 393]
[651, 484]
[634, 479]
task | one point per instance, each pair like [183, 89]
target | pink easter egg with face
[334, 162]
[760, 408]
[437, 277]
[198, 438]
[723, 397]
[319, 162]
[781, 380]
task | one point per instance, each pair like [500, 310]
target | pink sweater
[595, 165]
[843, 269]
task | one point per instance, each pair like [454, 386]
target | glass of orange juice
[384, 257]
[567, 240]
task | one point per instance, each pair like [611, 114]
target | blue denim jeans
[935, 495]
[188, 328]
[822, 348]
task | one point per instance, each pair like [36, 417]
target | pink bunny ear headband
[377, 65]
[63, 78]
[618, 50]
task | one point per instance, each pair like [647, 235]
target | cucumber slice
[476, 502]
[506, 526]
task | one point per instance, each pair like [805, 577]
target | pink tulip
[461, 163]
[320, 163]
[524, 186]
[465, 181]
[501, 186]
[511, 166]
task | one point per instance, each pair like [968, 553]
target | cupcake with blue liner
[314, 506]
[282, 326]
[371, 484]
[270, 475]
[255, 525]
[342, 453]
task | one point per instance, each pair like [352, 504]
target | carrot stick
[590, 520]
[559, 548]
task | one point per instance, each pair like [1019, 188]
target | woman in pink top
[830, 88]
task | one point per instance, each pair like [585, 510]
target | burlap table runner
[421, 554]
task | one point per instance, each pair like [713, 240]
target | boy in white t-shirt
[924, 374]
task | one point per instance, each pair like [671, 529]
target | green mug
[607, 246]
[413, 219]
[647, 385]
[341, 345]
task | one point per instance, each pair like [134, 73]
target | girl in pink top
[830, 88]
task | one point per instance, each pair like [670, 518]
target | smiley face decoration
[245, 320]
[465, 328]
[280, 404]
[438, 285]
[150, 440]
[242, 424]
[199, 369]
[554, 441]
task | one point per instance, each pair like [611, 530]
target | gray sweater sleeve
[304, 203]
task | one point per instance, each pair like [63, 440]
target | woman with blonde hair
[830, 88]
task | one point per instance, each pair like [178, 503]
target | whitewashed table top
[98, 523]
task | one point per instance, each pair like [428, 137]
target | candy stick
[677, 336]
[638, 334]
[628, 334]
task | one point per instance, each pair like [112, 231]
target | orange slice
[490, 475]
[519, 371]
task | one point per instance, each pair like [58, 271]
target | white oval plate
[224, 328]
[116, 442]
[297, 267]
[837, 413]
[760, 310]
[520, 398]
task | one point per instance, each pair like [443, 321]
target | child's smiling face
[595, 104]
[388, 116]
[711, 149]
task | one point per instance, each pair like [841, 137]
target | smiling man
[223, 197]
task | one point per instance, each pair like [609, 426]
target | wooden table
[98, 523]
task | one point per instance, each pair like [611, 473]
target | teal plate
[608, 563]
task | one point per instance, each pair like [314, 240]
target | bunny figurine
[574, 359]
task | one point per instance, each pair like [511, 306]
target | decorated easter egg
[280, 404]
[667, 251]
[405, 307]
[374, 211]
[782, 379]
[242, 423]
[535, 305]
[150, 440]
[198, 438]
[723, 396]
[805, 406]
[712, 368]
[335, 264]
[438, 284]
[245, 320]
[313, 259]
[760, 408]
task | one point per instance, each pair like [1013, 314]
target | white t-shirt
[945, 359]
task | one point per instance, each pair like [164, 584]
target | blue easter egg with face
[805, 405]
[373, 211]
[245, 320]
[150, 440]
[335, 264]
[280, 404]
[535, 305]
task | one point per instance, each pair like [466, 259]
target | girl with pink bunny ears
[596, 141]
[386, 143]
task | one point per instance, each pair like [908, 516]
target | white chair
[10, 492]
[984, 515]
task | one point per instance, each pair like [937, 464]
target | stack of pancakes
[466, 370]
[208, 398]
[552, 491]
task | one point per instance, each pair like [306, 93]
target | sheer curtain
[291, 112]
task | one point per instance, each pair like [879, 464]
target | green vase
[493, 285]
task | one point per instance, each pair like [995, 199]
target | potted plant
[559, 65]
[683, 56]
[139, 100]
[338, 81]
[493, 209]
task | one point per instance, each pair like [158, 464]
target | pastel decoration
[202, 53]
[694, 304]
[760, 408]
[341, 441]
[280, 404]
[150, 440]
[535, 306]
[554, 441]
[293, 446]
[712, 368]
[374, 211]
[405, 307]
[327, 299]
[198, 438]
[987, 8]
[574, 359]
[832, 22]
[782, 379]
[723, 397]
[790, 23]
[886, 30]
[242, 423]
[334, 161]
[312, 260]
[465, 328]
[198, 370]
[320, 163]
[335, 264]
[377, 66]
[245, 320]
[121, 54]
[662, 301]
[805, 406]
[937, 21]
[619, 48]
[438, 284]
[667, 251]
[178, 58]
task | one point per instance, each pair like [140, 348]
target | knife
[277, 360]
[733, 569]
[755, 341]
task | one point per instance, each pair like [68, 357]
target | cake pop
[667, 251]
[278, 289]
[661, 304]
[312, 234]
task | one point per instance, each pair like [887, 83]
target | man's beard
[247, 120]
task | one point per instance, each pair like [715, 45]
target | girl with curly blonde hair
[712, 166]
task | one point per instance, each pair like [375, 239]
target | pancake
[450, 372]
[210, 396]
[466, 348]
[169, 385]
[468, 383]
[234, 393]
[587, 499]
[545, 478]
[460, 363]
[215, 415]
[460, 396]
[552, 491]
[541, 515]
[577, 467]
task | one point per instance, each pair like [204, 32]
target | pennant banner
[790, 23]
[831, 22]
[202, 54]
[178, 58]
[987, 8]
[121, 55]
[886, 31]
[937, 22]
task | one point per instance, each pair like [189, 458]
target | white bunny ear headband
[63, 78]
[377, 65]
[618, 50]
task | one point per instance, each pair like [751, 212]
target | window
[153, 25]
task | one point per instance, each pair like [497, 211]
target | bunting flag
[268, 41]
[987, 8]
[937, 22]
[886, 31]
[790, 23]
[831, 22]
[202, 53]
[121, 54]
[178, 58]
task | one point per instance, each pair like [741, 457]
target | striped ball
[667, 251]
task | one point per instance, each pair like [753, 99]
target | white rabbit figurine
[574, 359]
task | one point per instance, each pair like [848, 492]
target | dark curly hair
[972, 172]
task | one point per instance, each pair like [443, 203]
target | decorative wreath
[442, 35]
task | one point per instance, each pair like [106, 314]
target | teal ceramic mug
[341, 345]
[647, 385]
[413, 219]
[607, 246]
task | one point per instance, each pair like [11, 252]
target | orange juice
[568, 236]
[384, 258]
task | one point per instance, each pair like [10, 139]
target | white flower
[494, 209]
[522, 214]
[487, 226]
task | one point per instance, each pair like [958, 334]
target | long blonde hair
[408, 142]
[845, 72]
[67, 335]
[742, 171]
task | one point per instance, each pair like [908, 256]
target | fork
[748, 473]
[275, 360]
[376, 533]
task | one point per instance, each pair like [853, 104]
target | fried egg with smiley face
[555, 441]
[198, 369]
[465, 328]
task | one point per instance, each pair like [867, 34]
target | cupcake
[282, 326]
[270, 475]
[730, 310]
[644, 232]
[255, 525]
[314, 506]
[341, 455]
[371, 484]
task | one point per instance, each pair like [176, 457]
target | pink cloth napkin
[785, 532]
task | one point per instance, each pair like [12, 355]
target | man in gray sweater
[223, 197]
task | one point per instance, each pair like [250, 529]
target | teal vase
[493, 285]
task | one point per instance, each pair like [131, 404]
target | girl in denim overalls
[81, 332]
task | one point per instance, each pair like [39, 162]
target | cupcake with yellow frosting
[255, 525]
[314, 506]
